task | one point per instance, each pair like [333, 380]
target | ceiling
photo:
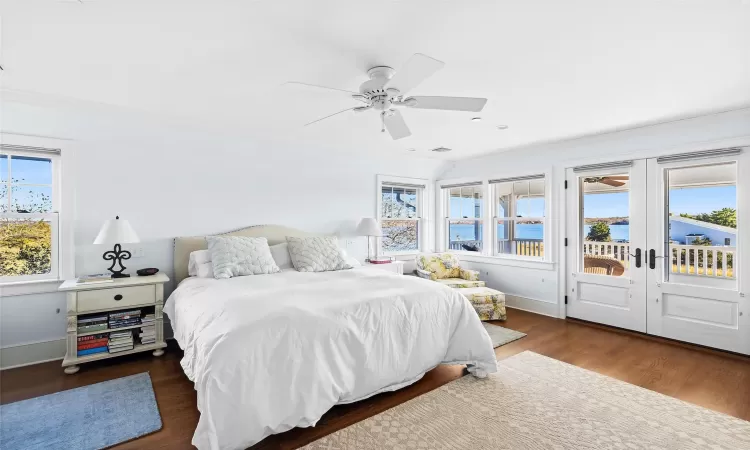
[551, 70]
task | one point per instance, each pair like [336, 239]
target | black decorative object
[117, 256]
[146, 272]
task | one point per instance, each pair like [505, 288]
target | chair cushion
[442, 265]
[460, 283]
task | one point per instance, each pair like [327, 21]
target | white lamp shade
[369, 227]
[116, 231]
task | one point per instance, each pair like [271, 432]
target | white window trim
[63, 206]
[489, 232]
[424, 213]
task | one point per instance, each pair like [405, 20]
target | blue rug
[87, 418]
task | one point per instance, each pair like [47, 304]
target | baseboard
[28, 354]
[531, 305]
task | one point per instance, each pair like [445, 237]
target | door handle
[638, 257]
[652, 259]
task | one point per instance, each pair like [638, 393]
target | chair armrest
[469, 275]
[423, 274]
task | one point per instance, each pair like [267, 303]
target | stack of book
[120, 341]
[148, 330]
[93, 343]
[121, 319]
[88, 324]
[95, 278]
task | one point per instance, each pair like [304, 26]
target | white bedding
[271, 352]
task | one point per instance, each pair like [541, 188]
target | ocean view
[465, 232]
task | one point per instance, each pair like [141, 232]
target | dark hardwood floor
[715, 380]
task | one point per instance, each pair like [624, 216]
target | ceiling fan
[614, 181]
[386, 90]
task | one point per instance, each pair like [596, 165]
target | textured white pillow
[316, 254]
[233, 256]
[280, 253]
[196, 258]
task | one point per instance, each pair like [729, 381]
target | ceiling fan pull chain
[382, 122]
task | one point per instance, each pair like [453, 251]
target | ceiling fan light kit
[386, 90]
[441, 149]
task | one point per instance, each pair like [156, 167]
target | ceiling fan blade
[610, 182]
[395, 125]
[417, 69]
[297, 84]
[618, 177]
[448, 103]
[331, 115]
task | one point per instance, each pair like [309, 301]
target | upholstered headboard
[275, 234]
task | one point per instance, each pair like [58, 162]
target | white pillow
[196, 258]
[352, 261]
[316, 254]
[280, 253]
[205, 270]
[234, 256]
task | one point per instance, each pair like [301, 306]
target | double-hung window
[519, 215]
[465, 216]
[29, 222]
[401, 213]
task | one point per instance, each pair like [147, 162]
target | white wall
[170, 180]
[538, 287]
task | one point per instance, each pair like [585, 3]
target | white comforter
[271, 352]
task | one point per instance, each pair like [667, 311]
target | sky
[689, 200]
[34, 171]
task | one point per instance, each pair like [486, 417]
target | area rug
[500, 335]
[535, 402]
[87, 418]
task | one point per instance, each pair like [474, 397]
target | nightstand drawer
[115, 297]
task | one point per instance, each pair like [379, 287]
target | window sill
[29, 287]
[505, 261]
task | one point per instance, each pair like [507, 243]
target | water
[465, 232]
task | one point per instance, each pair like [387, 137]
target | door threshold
[651, 337]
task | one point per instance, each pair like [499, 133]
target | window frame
[496, 218]
[490, 235]
[61, 257]
[422, 214]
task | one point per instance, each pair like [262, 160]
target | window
[499, 217]
[29, 244]
[520, 216]
[401, 213]
[465, 217]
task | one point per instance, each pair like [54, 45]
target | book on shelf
[92, 344]
[95, 278]
[91, 328]
[92, 337]
[120, 314]
[120, 334]
[86, 320]
[124, 323]
[91, 351]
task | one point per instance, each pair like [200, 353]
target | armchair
[445, 268]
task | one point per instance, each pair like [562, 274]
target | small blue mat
[87, 418]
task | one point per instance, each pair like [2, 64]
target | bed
[268, 353]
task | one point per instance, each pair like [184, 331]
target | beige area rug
[535, 402]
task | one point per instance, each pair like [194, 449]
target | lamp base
[120, 275]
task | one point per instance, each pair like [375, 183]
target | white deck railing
[614, 250]
[702, 260]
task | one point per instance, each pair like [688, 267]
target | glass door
[694, 276]
[606, 222]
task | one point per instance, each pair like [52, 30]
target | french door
[653, 246]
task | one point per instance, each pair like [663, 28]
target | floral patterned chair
[445, 268]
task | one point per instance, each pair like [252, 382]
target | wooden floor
[712, 379]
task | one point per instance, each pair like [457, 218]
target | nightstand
[88, 301]
[393, 266]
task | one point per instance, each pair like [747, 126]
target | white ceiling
[551, 69]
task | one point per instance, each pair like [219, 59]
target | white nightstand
[393, 266]
[145, 293]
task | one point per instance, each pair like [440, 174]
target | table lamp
[116, 231]
[371, 228]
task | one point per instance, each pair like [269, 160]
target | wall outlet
[137, 252]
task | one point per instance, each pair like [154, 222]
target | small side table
[394, 266]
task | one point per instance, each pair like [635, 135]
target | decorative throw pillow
[197, 258]
[316, 254]
[234, 256]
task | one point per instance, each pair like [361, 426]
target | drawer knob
[118, 297]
